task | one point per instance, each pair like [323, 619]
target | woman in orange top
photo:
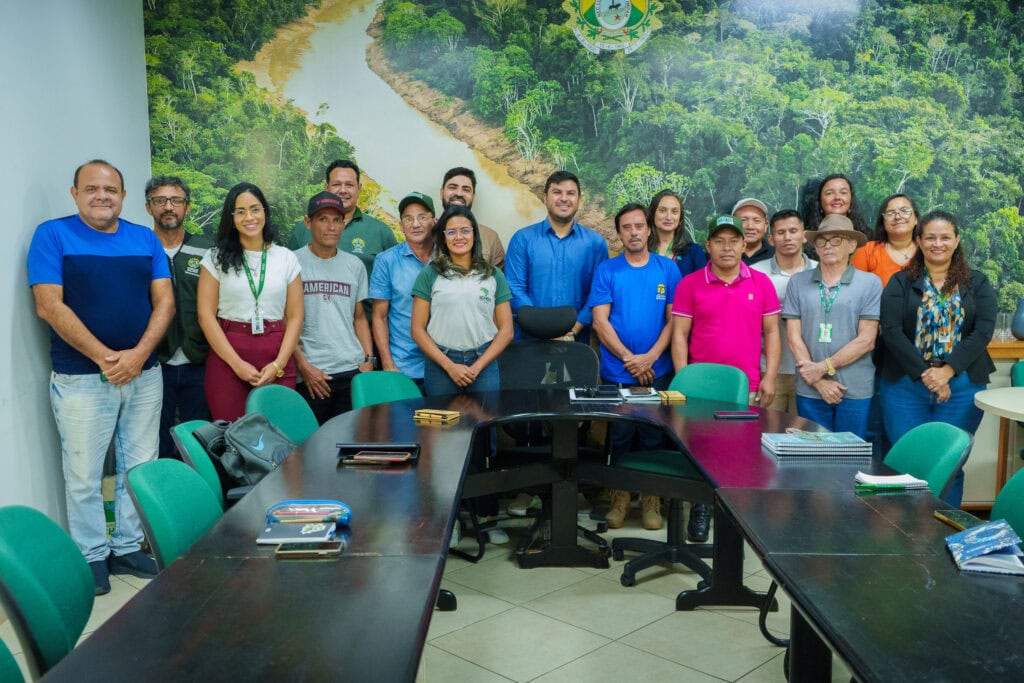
[886, 256]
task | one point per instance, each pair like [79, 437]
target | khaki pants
[785, 394]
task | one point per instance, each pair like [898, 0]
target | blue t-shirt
[394, 272]
[545, 270]
[638, 297]
[106, 279]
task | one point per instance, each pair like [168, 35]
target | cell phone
[736, 414]
[382, 456]
[958, 519]
[316, 550]
[640, 391]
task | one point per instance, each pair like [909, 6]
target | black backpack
[246, 450]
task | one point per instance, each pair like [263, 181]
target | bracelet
[280, 370]
[831, 368]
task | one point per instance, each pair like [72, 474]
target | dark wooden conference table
[228, 609]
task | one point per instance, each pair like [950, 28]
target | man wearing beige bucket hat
[831, 315]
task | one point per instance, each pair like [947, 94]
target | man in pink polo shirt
[722, 314]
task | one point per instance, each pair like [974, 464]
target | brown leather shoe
[616, 514]
[651, 506]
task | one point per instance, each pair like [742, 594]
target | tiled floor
[564, 624]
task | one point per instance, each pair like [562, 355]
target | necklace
[901, 256]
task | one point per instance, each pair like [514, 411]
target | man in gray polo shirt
[831, 316]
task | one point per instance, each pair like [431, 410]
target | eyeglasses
[905, 212]
[452, 232]
[242, 213]
[831, 241]
[176, 202]
[422, 218]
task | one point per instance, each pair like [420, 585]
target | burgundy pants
[225, 392]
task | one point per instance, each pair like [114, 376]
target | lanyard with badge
[257, 315]
[825, 328]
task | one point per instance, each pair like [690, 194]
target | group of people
[151, 327]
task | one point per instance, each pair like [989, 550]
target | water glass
[1003, 333]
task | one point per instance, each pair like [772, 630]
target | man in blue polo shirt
[391, 288]
[104, 287]
[551, 263]
[631, 303]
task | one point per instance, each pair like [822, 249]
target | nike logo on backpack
[258, 446]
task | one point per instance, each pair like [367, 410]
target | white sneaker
[523, 503]
[456, 534]
[497, 536]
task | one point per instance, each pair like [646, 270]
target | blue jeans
[849, 415]
[908, 403]
[184, 401]
[89, 413]
[436, 381]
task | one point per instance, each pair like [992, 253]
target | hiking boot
[100, 576]
[651, 506]
[136, 563]
[616, 514]
[700, 522]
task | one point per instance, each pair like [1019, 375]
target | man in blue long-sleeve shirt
[551, 263]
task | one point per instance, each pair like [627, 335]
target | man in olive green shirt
[364, 236]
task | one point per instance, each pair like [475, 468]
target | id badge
[824, 333]
[257, 322]
[944, 339]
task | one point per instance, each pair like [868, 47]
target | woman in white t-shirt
[461, 316]
[250, 305]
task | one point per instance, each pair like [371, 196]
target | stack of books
[427, 416]
[795, 443]
[899, 482]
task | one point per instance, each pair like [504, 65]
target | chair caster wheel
[627, 580]
[602, 527]
[446, 601]
[617, 554]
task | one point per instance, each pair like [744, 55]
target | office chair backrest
[1009, 504]
[381, 386]
[46, 586]
[1017, 374]
[175, 506]
[934, 451]
[9, 671]
[195, 456]
[286, 410]
[544, 364]
[712, 382]
[546, 322]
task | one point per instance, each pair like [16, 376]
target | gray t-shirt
[858, 298]
[461, 307]
[780, 279]
[331, 289]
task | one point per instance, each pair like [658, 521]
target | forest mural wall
[718, 100]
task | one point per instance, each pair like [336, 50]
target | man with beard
[459, 187]
[631, 303]
[183, 350]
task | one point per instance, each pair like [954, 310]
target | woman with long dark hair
[894, 246]
[835, 195]
[937, 319]
[669, 238]
[461, 316]
[250, 304]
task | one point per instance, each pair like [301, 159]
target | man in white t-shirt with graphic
[335, 344]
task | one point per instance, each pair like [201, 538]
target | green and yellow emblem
[612, 24]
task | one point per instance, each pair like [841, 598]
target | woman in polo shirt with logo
[937, 319]
[461, 316]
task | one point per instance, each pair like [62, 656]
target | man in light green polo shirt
[364, 236]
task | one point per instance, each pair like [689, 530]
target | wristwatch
[280, 370]
[372, 360]
[830, 369]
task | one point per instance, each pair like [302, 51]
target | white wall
[72, 74]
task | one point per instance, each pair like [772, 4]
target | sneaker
[456, 534]
[651, 506]
[497, 536]
[700, 522]
[100, 576]
[616, 515]
[137, 564]
[522, 504]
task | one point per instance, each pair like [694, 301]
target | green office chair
[382, 386]
[1009, 504]
[175, 504]
[46, 586]
[934, 451]
[195, 456]
[9, 671]
[286, 410]
[1017, 380]
[708, 381]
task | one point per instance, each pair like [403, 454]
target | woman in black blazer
[937, 319]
